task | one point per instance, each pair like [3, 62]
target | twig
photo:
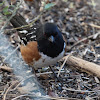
[66, 57]
[92, 25]
[4, 96]
[1, 92]
[20, 96]
[45, 97]
[91, 36]
[5, 68]
[30, 24]
[86, 91]
[55, 74]
[38, 74]
[23, 81]
[7, 20]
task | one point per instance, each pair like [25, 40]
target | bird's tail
[26, 34]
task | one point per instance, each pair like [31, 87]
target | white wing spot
[24, 31]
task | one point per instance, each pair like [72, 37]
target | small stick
[44, 97]
[44, 73]
[93, 25]
[54, 74]
[5, 68]
[4, 96]
[91, 36]
[66, 57]
[85, 91]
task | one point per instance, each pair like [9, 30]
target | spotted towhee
[42, 45]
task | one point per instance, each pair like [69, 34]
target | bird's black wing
[26, 34]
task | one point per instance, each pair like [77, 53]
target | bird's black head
[44, 32]
[50, 40]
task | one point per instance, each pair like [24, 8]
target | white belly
[46, 61]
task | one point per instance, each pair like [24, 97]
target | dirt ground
[75, 18]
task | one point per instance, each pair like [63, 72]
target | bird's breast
[30, 52]
[37, 59]
[46, 60]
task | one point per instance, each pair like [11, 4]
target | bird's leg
[34, 71]
[54, 74]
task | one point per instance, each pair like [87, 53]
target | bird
[41, 46]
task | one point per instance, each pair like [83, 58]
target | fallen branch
[28, 25]
[84, 65]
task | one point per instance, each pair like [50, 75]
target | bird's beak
[51, 39]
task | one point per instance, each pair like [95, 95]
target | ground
[77, 19]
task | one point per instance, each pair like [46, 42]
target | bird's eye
[51, 38]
